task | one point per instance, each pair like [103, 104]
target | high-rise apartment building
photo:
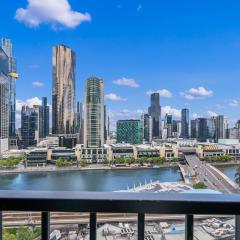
[155, 112]
[44, 119]
[12, 76]
[130, 131]
[94, 113]
[147, 127]
[168, 125]
[4, 101]
[63, 92]
[29, 126]
[185, 123]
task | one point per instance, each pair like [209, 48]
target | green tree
[83, 163]
[7, 235]
[199, 185]
[24, 234]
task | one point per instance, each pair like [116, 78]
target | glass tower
[7, 48]
[185, 123]
[155, 112]
[63, 92]
[94, 113]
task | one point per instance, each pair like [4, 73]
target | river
[91, 180]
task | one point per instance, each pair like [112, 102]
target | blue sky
[188, 50]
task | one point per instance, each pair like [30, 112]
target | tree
[83, 163]
[24, 234]
[7, 235]
[199, 185]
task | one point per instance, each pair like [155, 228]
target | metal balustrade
[139, 203]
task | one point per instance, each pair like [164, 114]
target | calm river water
[91, 180]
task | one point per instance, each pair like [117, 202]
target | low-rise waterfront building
[37, 157]
[120, 150]
[61, 153]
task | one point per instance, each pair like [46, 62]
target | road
[212, 178]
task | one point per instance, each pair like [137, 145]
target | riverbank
[75, 168]
[103, 167]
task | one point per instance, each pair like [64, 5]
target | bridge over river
[196, 170]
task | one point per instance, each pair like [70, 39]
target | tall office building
[147, 127]
[12, 76]
[168, 125]
[155, 112]
[202, 129]
[94, 113]
[79, 127]
[212, 124]
[44, 119]
[29, 126]
[63, 92]
[185, 123]
[4, 101]
[219, 127]
[105, 124]
[130, 131]
[194, 128]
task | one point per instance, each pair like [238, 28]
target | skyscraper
[219, 127]
[79, 127]
[155, 112]
[94, 113]
[105, 124]
[44, 119]
[63, 92]
[12, 76]
[130, 131]
[29, 126]
[4, 101]
[185, 123]
[202, 129]
[168, 125]
[147, 127]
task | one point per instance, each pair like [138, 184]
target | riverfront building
[147, 125]
[94, 113]
[130, 131]
[63, 92]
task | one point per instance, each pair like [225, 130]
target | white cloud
[162, 92]
[114, 97]
[234, 103]
[37, 84]
[130, 82]
[212, 114]
[57, 13]
[172, 111]
[29, 102]
[197, 93]
[139, 7]
[196, 115]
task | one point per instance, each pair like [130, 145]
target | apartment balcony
[138, 203]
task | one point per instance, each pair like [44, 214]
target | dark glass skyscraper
[220, 127]
[155, 112]
[29, 126]
[185, 123]
[147, 127]
[202, 129]
[63, 93]
[44, 119]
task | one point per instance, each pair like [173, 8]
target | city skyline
[203, 61]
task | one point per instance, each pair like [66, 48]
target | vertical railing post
[237, 227]
[93, 226]
[45, 225]
[189, 227]
[141, 226]
[1, 225]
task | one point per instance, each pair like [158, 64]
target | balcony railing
[139, 203]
